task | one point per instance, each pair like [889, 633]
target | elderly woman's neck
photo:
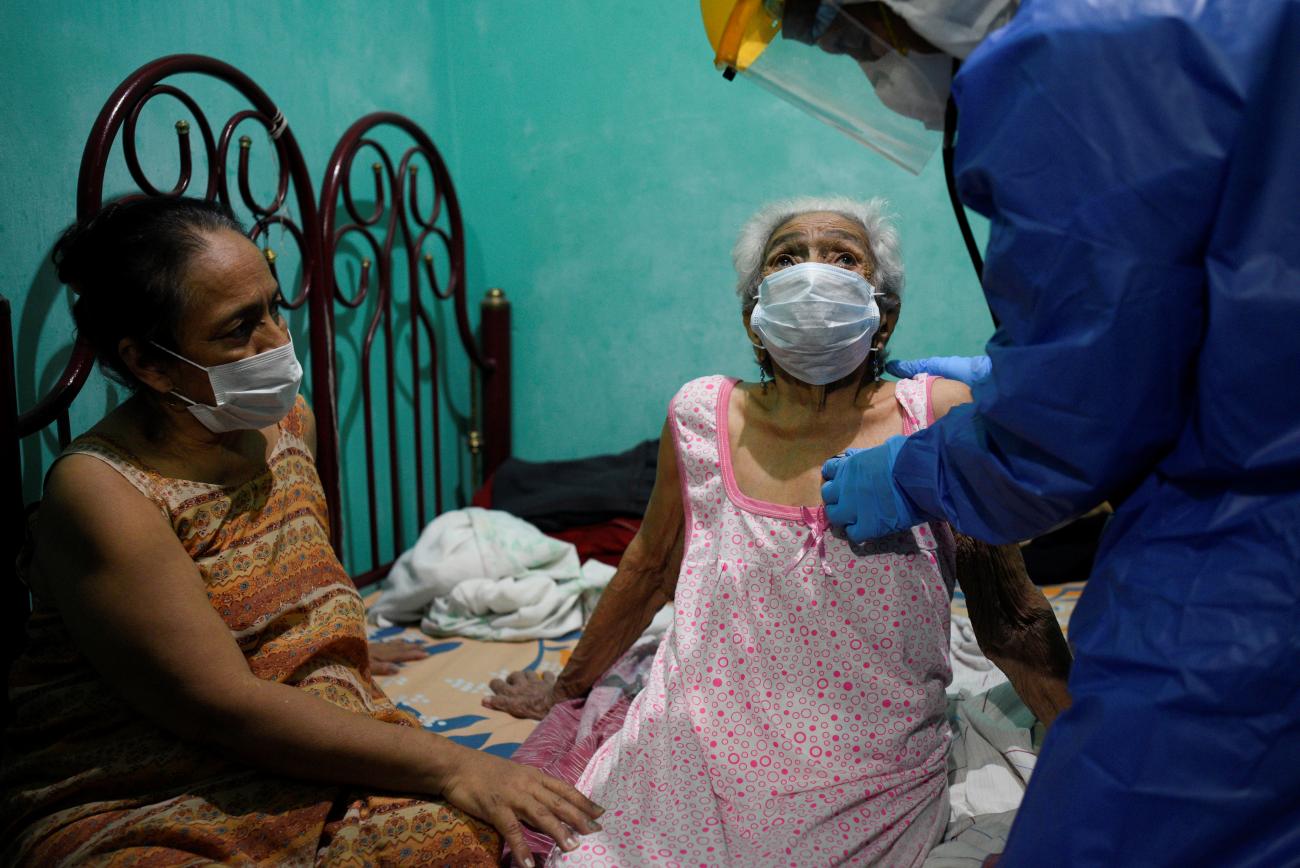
[794, 397]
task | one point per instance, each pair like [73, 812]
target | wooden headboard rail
[396, 230]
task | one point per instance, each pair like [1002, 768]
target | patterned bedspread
[444, 689]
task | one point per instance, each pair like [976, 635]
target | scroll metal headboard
[395, 232]
[406, 222]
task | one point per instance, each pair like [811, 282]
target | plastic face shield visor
[837, 79]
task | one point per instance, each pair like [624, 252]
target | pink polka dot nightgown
[795, 712]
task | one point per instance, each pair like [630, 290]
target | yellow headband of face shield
[842, 79]
[739, 30]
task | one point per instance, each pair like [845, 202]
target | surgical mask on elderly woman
[816, 320]
[252, 393]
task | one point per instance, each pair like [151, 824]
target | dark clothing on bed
[557, 495]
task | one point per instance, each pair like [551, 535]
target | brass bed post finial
[270, 262]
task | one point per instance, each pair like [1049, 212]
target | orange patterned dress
[88, 781]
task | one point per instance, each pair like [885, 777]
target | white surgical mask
[816, 320]
[915, 86]
[252, 393]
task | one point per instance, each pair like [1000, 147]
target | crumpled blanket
[994, 748]
[972, 672]
[486, 574]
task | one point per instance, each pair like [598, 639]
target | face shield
[900, 115]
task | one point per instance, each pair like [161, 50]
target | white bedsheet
[994, 748]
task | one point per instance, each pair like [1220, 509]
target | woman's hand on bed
[506, 794]
[386, 657]
[523, 694]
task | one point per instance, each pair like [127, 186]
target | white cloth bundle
[972, 672]
[486, 574]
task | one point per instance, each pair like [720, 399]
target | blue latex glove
[967, 369]
[860, 494]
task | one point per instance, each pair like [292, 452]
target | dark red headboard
[121, 114]
[396, 227]
[394, 234]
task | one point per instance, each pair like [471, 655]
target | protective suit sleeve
[1100, 180]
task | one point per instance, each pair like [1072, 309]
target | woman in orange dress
[197, 686]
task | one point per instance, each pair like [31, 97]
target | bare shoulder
[89, 515]
[667, 467]
[77, 474]
[86, 498]
[946, 394]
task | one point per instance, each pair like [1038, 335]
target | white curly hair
[872, 214]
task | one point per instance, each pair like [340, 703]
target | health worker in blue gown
[1139, 163]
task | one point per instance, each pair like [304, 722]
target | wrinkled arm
[1013, 622]
[1014, 625]
[645, 581]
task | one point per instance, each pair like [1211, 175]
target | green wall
[603, 169]
[606, 168]
[324, 64]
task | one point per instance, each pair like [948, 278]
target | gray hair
[747, 255]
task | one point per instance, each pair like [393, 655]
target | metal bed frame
[394, 232]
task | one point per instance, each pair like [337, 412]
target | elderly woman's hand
[523, 694]
[386, 657]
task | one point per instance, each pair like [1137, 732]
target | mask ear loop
[177, 355]
[188, 401]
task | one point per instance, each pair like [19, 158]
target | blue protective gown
[1140, 166]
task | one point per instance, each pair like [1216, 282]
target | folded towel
[486, 574]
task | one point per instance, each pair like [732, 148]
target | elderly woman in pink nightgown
[795, 711]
